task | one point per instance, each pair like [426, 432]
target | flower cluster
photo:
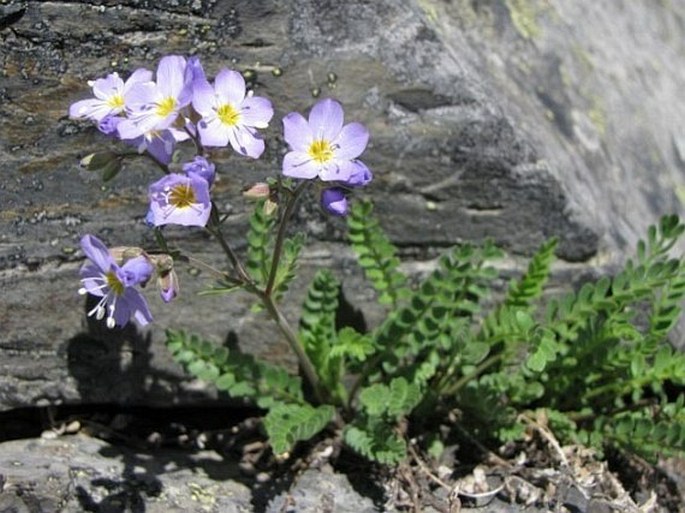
[154, 112]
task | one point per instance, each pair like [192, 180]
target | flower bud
[260, 190]
[270, 207]
[167, 279]
[334, 201]
[167, 282]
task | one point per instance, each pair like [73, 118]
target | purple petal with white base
[109, 95]
[114, 285]
[153, 106]
[179, 199]
[322, 146]
[229, 115]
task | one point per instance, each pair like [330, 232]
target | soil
[535, 475]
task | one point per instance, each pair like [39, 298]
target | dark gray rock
[511, 119]
[78, 473]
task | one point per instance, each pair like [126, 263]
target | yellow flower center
[166, 106]
[182, 196]
[228, 115]
[321, 151]
[114, 284]
[116, 101]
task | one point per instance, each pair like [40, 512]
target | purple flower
[333, 200]
[108, 124]
[109, 96]
[114, 284]
[321, 146]
[201, 167]
[194, 70]
[179, 199]
[153, 106]
[229, 115]
[361, 177]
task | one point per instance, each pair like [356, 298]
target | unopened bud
[259, 190]
[167, 280]
[270, 207]
[168, 285]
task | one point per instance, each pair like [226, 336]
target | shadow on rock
[128, 494]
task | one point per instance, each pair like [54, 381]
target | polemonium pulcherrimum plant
[154, 113]
[437, 351]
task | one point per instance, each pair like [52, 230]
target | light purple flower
[201, 167]
[229, 115]
[334, 201]
[321, 146]
[153, 106]
[114, 284]
[109, 96]
[179, 199]
[159, 144]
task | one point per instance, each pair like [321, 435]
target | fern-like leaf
[287, 424]
[376, 254]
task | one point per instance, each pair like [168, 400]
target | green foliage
[318, 333]
[288, 423]
[240, 375]
[260, 248]
[395, 401]
[592, 362]
[259, 243]
[376, 254]
[376, 441]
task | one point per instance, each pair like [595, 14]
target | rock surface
[514, 119]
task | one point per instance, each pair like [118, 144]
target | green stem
[280, 237]
[461, 382]
[214, 228]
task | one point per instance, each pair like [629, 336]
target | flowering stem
[214, 228]
[295, 345]
[280, 237]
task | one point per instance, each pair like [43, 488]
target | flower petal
[256, 111]
[105, 88]
[91, 108]
[97, 252]
[351, 141]
[229, 86]
[296, 132]
[93, 280]
[245, 142]
[213, 132]
[326, 119]
[204, 100]
[171, 76]
[134, 271]
[360, 177]
[139, 75]
[334, 201]
[298, 164]
[337, 171]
